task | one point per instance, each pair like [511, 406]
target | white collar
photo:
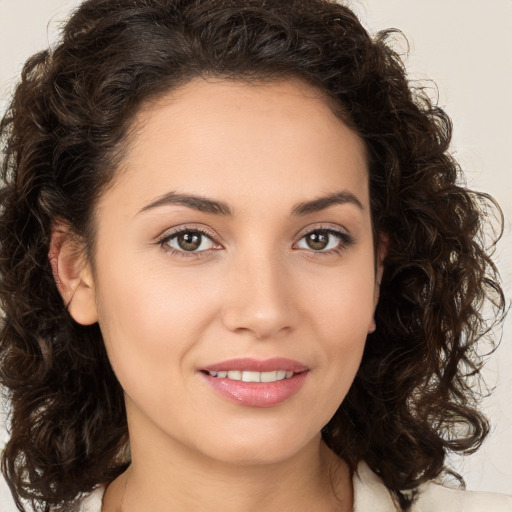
[370, 493]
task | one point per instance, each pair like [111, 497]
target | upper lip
[257, 365]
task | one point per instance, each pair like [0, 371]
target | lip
[257, 365]
[257, 394]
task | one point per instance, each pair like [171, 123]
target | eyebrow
[206, 205]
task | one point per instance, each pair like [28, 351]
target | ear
[381, 253]
[73, 275]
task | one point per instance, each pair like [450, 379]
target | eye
[325, 240]
[188, 240]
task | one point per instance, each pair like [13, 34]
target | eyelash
[346, 240]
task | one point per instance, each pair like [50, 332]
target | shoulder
[370, 493]
[434, 497]
[92, 502]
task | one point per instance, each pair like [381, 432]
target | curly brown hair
[64, 133]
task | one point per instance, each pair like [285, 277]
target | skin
[257, 290]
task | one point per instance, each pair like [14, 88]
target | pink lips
[257, 394]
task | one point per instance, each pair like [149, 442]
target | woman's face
[234, 246]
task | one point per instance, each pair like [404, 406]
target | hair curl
[62, 136]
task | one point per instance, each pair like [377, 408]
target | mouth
[256, 383]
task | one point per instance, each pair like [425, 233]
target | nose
[260, 298]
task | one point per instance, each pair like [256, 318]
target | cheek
[340, 316]
[150, 320]
[343, 301]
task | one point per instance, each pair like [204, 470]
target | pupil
[189, 241]
[318, 240]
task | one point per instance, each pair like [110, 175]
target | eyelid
[169, 233]
[322, 227]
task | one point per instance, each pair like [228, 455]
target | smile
[254, 382]
[251, 376]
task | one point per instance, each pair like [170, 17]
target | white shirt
[371, 495]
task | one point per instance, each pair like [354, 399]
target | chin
[259, 446]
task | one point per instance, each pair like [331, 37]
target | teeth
[248, 376]
[251, 376]
[268, 376]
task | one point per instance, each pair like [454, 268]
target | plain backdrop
[465, 47]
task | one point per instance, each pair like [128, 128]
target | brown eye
[318, 240]
[189, 241]
[325, 240]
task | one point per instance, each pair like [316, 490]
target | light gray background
[465, 46]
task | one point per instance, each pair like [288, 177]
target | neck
[167, 476]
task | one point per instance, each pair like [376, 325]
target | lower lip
[257, 394]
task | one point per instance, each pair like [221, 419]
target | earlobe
[73, 275]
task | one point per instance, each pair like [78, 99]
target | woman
[238, 268]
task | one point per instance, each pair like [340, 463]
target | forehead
[237, 141]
